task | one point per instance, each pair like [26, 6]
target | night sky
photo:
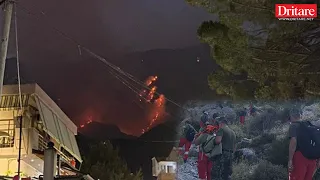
[112, 29]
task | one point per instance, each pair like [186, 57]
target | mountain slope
[181, 76]
[102, 131]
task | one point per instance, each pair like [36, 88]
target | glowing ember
[150, 80]
[157, 112]
[151, 93]
[87, 122]
[157, 106]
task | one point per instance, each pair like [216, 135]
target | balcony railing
[6, 142]
[43, 145]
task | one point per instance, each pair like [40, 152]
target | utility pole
[8, 6]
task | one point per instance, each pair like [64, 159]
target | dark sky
[109, 28]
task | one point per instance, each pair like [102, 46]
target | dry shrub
[279, 153]
[239, 130]
[242, 171]
[268, 171]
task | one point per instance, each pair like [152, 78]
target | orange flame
[151, 93]
[156, 113]
[87, 122]
[150, 80]
[158, 106]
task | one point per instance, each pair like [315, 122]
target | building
[165, 169]
[42, 121]
[75, 177]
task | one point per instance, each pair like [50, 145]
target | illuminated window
[6, 133]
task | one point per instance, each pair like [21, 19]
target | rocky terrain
[262, 144]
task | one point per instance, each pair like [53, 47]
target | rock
[245, 154]
[316, 123]
[245, 142]
[188, 170]
[193, 151]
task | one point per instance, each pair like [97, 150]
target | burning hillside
[157, 105]
[152, 103]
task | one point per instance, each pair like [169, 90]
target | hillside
[138, 152]
[101, 131]
[262, 143]
[181, 76]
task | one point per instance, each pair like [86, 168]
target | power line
[80, 46]
[115, 71]
[131, 77]
[19, 87]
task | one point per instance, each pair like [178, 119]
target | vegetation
[262, 142]
[260, 56]
[103, 162]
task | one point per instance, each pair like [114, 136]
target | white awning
[50, 124]
[55, 127]
[68, 140]
[74, 145]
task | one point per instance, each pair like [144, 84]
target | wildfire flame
[150, 80]
[89, 120]
[151, 93]
[157, 108]
[157, 112]
[158, 105]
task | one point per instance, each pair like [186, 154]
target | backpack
[209, 148]
[190, 134]
[309, 140]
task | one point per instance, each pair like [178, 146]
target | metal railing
[42, 145]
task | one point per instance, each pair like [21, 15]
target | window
[6, 133]
[163, 167]
[170, 169]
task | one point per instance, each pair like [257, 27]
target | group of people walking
[217, 143]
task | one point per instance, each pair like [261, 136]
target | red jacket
[209, 129]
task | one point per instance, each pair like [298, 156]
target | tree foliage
[103, 162]
[260, 56]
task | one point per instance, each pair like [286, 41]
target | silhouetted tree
[103, 162]
[260, 56]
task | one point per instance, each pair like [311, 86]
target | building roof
[174, 155]
[56, 123]
[76, 177]
[37, 90]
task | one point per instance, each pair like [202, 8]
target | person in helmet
[204, 163]
[204, 118]
[214, 116]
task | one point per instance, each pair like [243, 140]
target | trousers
[222, 168]
[204, 166]
[242, 119]
[187, 144]
[303, 168]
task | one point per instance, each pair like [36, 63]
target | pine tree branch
[253, 7]
[313, 92]
[279, 52]
[309, 73]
